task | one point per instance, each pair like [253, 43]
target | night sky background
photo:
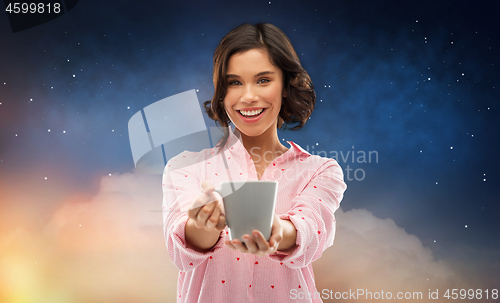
[417, 82]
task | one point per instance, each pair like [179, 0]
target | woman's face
[253, 84]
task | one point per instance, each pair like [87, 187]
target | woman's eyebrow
[258, 75]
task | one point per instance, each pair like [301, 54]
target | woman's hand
[205, 212]
[257, 244]
[206, 219]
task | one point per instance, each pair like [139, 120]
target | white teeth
[251, 113]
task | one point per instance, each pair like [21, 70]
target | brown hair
[301, 98]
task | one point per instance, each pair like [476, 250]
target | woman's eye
[234, 83]
[263, 81]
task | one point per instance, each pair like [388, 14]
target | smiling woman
[260, 86]
[256, 94]
[253, 103]
[278, 62]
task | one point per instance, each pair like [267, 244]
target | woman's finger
[206, 196]
[261, 242]
[222, 222]
[203, 215]
[239, 246]
[213, 220]
[251, 245]
[273, 246]
[207, 186]
[275, 239]
[202, 200]
[230, 245]
[276, 233]
[195, 207]
[217, 197]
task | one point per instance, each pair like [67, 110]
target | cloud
[120, 216]
[110, 248]
[107, 248]
[375, 255]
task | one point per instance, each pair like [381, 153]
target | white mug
[249, 205]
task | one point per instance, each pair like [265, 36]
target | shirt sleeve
[180, 188]
[312, 214]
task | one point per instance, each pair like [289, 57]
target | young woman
[260, 86]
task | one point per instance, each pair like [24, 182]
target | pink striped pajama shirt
[310, 190]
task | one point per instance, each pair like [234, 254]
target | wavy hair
[301, 98]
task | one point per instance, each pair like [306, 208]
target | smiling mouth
[253, 116]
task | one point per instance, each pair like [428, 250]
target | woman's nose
[249, 94]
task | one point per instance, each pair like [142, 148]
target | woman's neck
[265, 147]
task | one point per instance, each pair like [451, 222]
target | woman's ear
[284, 93]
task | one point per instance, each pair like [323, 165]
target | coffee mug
[249, 205]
